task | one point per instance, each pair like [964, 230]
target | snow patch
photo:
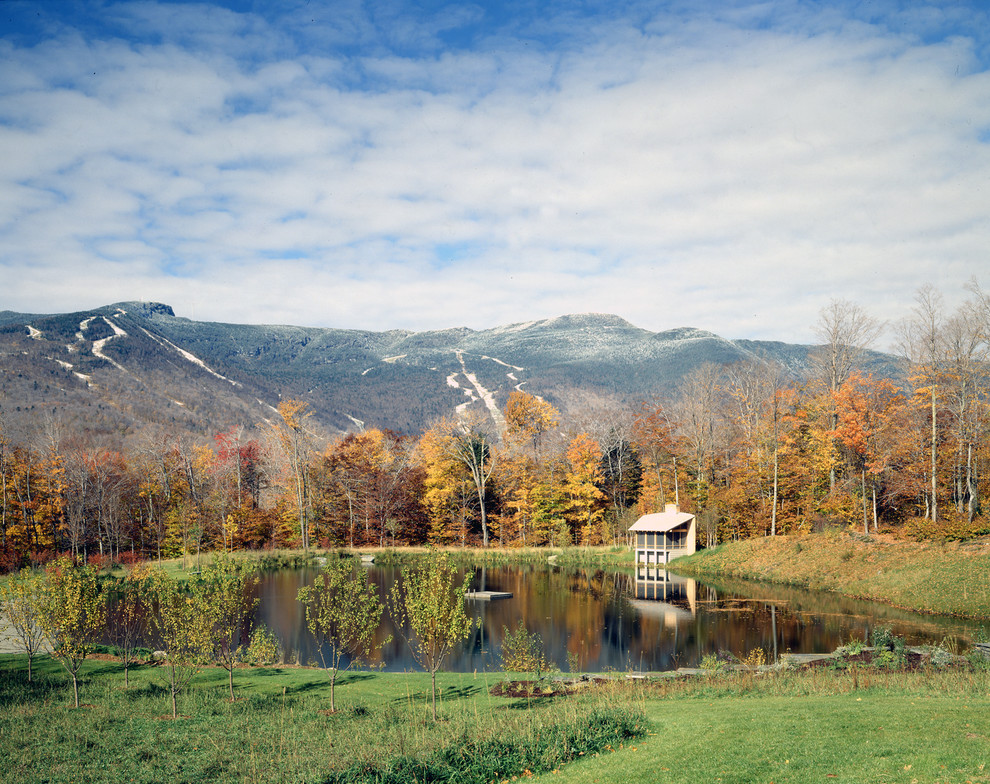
[358, 422]
[393, 360]
[472, 398]
[83, 326]
[366, 372]
[33, 333]
[190, 357]
[84, 377]
[488, 398]
[99, 345]
[503, 364]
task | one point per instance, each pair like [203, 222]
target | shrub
[890, 653]
[263, 648]
[523, 652]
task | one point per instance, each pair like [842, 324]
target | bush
[890, 654]
[263, 649]
[523, 652]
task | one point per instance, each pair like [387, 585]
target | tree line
[745, 447]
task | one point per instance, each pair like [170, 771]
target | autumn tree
[180, 619]
[127, 622]
[430, 603]
[653, 435]
[22, 602]
[866, 409]
[229, 598]
[529, 418]
[846, 332]
[294, 438]
[343, 613]
[582, 486]
[530, 471]
[73, 615]
[468, 443]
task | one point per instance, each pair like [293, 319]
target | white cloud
[691, 170]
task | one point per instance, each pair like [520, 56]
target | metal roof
[661, 521]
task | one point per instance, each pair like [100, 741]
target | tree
[528, 418]
[127, 623]
[469, 444]
[923, 343]
[343, 613]
[293, 437]
[180, 620]
[581, 484]
[229, 584]
[22, 598]
[74, 615]
[846, 332]
[431, 603]
[866, 408]
[653, 437]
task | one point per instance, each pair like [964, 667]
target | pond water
[603, 620]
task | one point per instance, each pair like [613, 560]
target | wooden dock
[487, 596]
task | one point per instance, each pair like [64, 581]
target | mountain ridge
[119, 366]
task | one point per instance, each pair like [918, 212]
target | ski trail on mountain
[488, 398]
[99, 345]
[187, 355]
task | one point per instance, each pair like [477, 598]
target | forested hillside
[127, 432]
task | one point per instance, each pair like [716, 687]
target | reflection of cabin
[660, 594]
[663, 536]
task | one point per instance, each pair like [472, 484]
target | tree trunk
[433, 677]
[934, 456]
[776, 472]
[862, 488]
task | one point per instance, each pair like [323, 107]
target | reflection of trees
[586, 612]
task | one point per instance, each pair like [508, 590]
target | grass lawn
[865, 739]
[799, 727]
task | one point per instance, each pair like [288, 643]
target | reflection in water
[612, 620]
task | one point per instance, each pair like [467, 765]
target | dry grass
[945, 578]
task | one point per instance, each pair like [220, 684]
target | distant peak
[145, 308]
[579, 320]
[687, 333]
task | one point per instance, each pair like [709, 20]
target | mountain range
[114, 368]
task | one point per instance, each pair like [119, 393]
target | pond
[601, 620]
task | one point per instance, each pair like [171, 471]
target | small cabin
[663, 536]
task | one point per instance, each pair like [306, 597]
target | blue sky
[732, 166]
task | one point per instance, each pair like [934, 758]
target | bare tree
[922, 342]
[754, 393]
[846, 333]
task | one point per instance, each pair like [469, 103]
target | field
[822, 725]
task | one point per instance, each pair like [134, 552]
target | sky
[727, 165]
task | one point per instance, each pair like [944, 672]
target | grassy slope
[799, 727]
[940, 578]
[845, 738]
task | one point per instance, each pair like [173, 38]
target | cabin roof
[661, 521]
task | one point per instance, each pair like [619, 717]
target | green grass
[278, 730]
[822, 725]
[844, 738]
[945, 578]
